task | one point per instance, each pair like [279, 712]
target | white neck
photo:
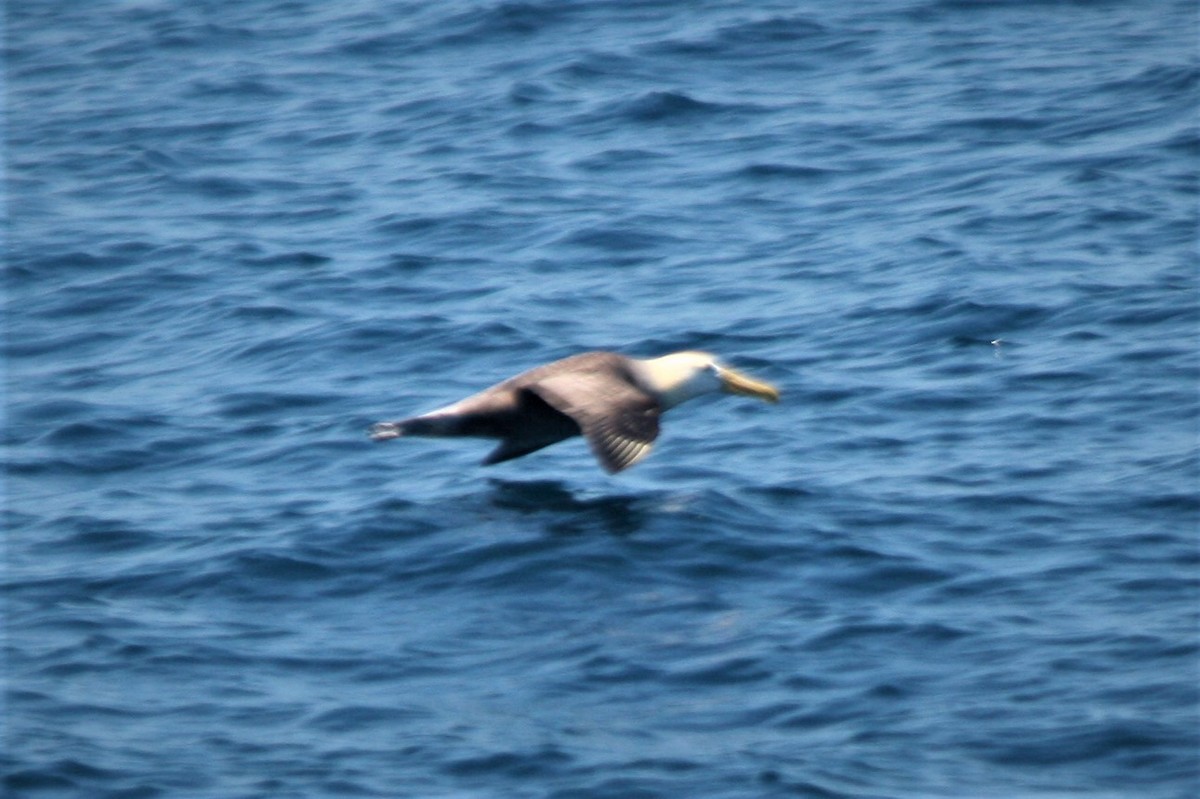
[677, 378]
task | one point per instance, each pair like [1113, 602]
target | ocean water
[959, 559]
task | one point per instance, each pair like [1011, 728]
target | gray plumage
[612, 400]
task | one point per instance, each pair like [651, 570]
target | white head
[682, 376]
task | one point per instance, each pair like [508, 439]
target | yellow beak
[738, 383]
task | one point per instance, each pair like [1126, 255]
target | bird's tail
[416, 426]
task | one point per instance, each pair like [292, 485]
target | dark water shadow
[564, 512]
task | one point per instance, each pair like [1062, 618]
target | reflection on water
[565, 511]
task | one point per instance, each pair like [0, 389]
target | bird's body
[613, 400]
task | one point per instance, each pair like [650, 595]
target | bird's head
[682, 376]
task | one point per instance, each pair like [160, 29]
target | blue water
[960, 559]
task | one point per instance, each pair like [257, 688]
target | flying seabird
[612, 400]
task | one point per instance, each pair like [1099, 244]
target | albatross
[612, 400]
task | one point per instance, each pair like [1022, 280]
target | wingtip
[385, 431]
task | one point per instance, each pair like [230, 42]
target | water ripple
[957, 559]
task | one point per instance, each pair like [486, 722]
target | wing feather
[619, 419]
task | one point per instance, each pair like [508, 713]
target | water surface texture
[958, 560]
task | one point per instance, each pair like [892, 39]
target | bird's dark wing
[530, 425]
[619, 420]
